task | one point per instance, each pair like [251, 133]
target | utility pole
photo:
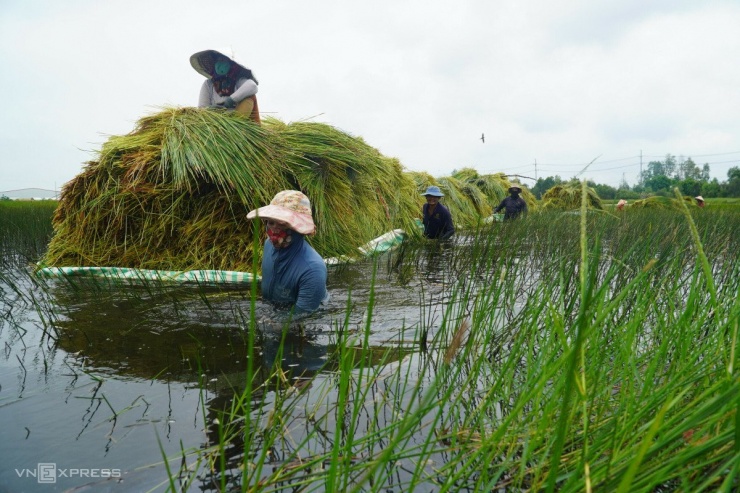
[640, 180]
[535, 170]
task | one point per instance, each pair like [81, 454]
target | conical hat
[203, 62]
[291, 207]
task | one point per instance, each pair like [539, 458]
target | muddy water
[96, 378]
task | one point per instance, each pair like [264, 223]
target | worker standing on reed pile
[436, 217]
[229, 84]
[514, 206]
[293, 273]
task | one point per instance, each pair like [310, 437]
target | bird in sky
[483, 138]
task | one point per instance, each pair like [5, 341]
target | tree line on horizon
[660, 178]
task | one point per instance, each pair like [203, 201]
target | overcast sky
[559, 83]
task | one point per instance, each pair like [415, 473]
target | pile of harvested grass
[494, 187]
[174, 193]
[658, 202]
[567, 196]
[470, 196]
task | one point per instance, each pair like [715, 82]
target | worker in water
[514, 205]
[229, 84]
[293, 273]
[435, 216]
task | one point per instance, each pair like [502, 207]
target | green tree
[545, 184]
[658, 183]
[690, 186]
[605, 191]
[688, 169]
[732, 187]
[705, 172]
[711, 188]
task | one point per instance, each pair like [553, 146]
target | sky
[574, 88]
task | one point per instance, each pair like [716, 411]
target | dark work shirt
[294, 275]
[514, 207]
[439, 224]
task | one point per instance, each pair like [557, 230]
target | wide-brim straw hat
[513, 188]
[204, 63]
[290, 207]
[699, 198]
[433, 191]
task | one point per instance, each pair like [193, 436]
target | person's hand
[229, 103]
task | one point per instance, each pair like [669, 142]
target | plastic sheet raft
[381, 244]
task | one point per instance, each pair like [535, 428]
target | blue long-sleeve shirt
[295, 275]
[438, 224]
[514, 207]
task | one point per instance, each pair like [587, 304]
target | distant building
[31, 194]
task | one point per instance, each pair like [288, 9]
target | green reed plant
[25, 230]
[611, 341]
[574, 352]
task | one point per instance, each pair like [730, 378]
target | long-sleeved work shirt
[514, 206]
[295, 275]
[243, 89]
[438, 224]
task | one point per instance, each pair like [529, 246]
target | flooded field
[101, 377]
[466, 366]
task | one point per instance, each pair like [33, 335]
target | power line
[595, 167]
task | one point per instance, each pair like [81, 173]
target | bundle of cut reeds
[470, 196]
[174, 193]
[567, 196]
[659, 202]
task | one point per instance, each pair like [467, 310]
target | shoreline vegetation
[575, 352]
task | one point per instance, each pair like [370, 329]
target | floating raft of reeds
[173, 194]
[567, 197]
[381, 244]
[658, 202]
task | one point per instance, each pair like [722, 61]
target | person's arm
[244, 89]
[311, 290]
[449, 228]
[500, 206]
[206, 91]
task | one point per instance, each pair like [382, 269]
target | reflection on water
[100, 375]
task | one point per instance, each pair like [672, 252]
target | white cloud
[560, 82]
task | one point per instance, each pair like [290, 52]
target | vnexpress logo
[46, 472]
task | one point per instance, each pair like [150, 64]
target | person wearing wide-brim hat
[293, 273]
[699, 200]
[229, 84]
[514, 206]
[435, 216]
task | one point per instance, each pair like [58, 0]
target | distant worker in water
[436, 217]
[228, 84]
[699, 200]
[293, 273]
[514, 205]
